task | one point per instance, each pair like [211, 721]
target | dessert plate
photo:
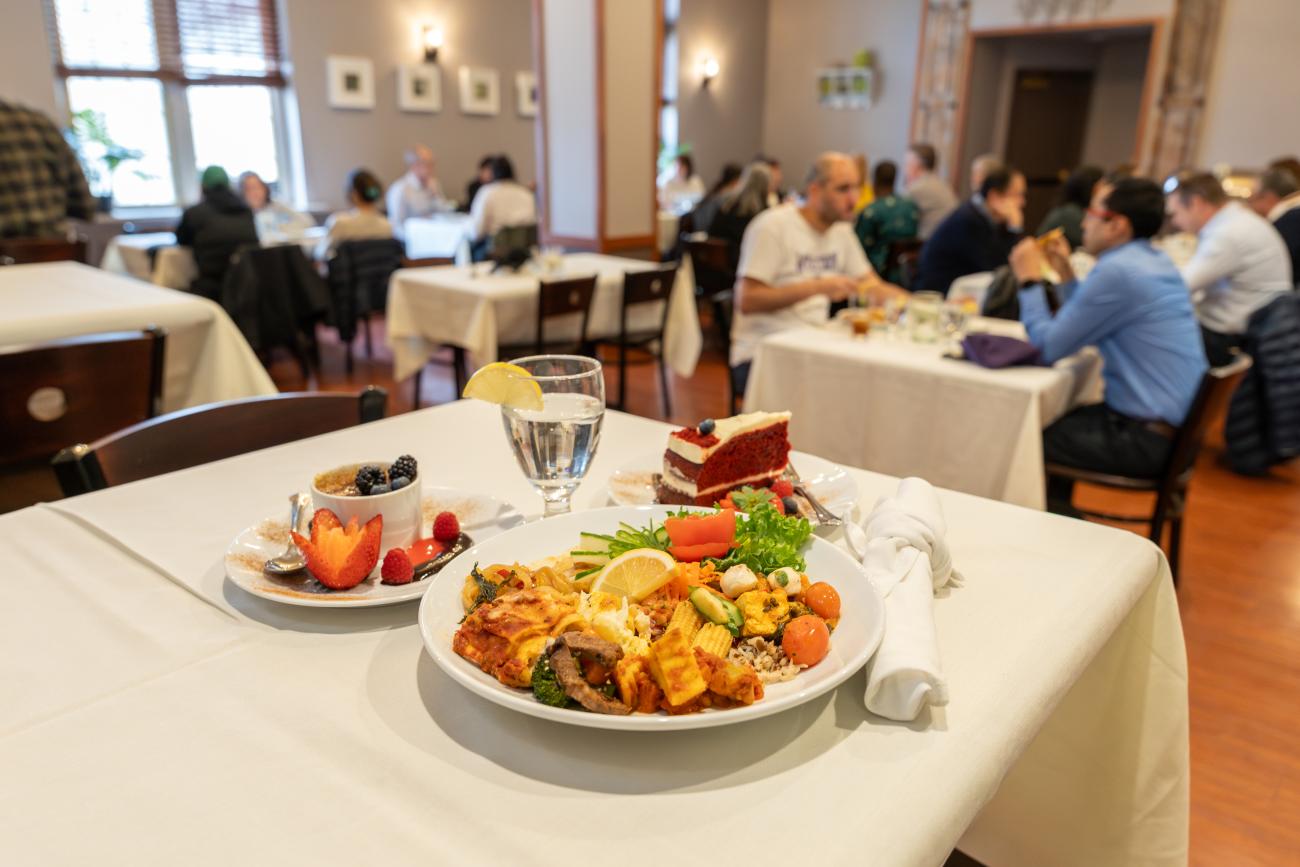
[481, 517]
[860, 628]
[633, 484]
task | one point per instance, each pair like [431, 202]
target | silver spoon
[292, 559]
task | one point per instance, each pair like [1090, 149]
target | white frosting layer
[725, 430]
[674, 480]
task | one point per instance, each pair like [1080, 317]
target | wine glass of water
[555, 444]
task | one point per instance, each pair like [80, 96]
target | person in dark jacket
[1076, 195]
[979, 235]
[1263, 424]
[1278, 200]
[214, 229]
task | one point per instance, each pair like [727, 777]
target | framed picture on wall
[351, 82]
[526, 94]
[480, 90]
[419, 88]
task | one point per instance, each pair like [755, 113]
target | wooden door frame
[1155, 46]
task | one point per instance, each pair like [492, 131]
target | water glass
[555, 445]
[952, 318]
[923, 316]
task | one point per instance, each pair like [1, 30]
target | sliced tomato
[702, 528]
[695, 553]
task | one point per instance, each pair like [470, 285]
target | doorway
[1049, 99]
[1045, 134]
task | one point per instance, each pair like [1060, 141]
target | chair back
[209, 433]
[512, 245]
[25, 251]
[905, 256]
[711, 262]
[1210, 402]
[358, 279]
[274, 296]
[67, 391]
[647, 287]
[559, 298]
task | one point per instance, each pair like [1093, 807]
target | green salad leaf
[768, 540]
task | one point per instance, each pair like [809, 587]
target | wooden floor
[1239, 594]
[1240, 599]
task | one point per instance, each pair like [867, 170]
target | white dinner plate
[633, 484]
[862, 623]
[480, 518]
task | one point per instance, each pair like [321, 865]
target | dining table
[902, 407]
[439, 236]
[206, 358]
[151, 712]
[155, 256]
[478, 309]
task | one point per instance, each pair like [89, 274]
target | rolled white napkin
[907, 560]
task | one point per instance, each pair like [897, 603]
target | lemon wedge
[636, 574]
[504, 384]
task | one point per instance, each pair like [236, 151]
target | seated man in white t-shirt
[794, 261]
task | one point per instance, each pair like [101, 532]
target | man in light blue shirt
[1135, 308]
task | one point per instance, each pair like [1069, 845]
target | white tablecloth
[667, 225]
[173, 266]
[152, 713]
[899, 407]
[207, 359]
[440, 236]
[470, 308]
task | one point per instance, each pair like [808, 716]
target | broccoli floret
[546, 687]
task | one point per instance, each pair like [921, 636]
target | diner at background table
[207, 359]
[165, 703]
[479, 309]
[155, 257]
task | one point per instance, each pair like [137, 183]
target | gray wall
[491, 33]
[803, 37]
[26, 73]
[723, 123]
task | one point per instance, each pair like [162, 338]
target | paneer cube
[763, 610]
[673, 665]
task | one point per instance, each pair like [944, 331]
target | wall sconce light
[708, 70]
[431, 38]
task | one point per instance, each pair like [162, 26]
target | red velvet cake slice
[701, 468]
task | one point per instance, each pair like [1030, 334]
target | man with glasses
[795, 260]
[1135, 308]
[1240, 265]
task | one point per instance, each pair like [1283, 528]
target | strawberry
[341, 557]
[445, 527]
[397, 568]
[783, 488]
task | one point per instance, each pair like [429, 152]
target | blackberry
[403, 466]
[367, 477]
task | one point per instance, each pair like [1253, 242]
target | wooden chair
[209, 433]
[714, 276]
[1170, 486]
[358, 280]
[25, 251]
[904, 256]
[65, 391]
[724, 304]
[558, 299]
[644, 288]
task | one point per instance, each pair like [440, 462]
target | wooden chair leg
[415, 396]
[458, 368]
[1175, 546]
[370, 348]
[663, 384]
[348, 361]
[622, 375]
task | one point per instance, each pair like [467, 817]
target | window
[668, 132]
[184, 83]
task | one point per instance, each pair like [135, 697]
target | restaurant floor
[1239, 595]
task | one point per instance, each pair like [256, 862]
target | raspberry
[445, 527]
[397, 568]
[783, 488]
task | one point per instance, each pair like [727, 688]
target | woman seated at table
[501, 204]
[1076, 195]
[739, 207]
[361, 222]
[275, 220]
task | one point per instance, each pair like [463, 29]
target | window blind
[189, 41]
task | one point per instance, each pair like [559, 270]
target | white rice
[767, 658]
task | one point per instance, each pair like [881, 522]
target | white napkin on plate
[907, 560]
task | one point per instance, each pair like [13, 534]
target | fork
[825, 516]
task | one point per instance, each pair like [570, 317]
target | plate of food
[653, 618]
[369, 534]
[749, 454]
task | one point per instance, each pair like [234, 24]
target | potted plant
[101, 156]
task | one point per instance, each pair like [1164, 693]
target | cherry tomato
[806, 640]
[823, 600]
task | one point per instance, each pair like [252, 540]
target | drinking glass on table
[555, 444]
[923, 316]
[952, 319]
